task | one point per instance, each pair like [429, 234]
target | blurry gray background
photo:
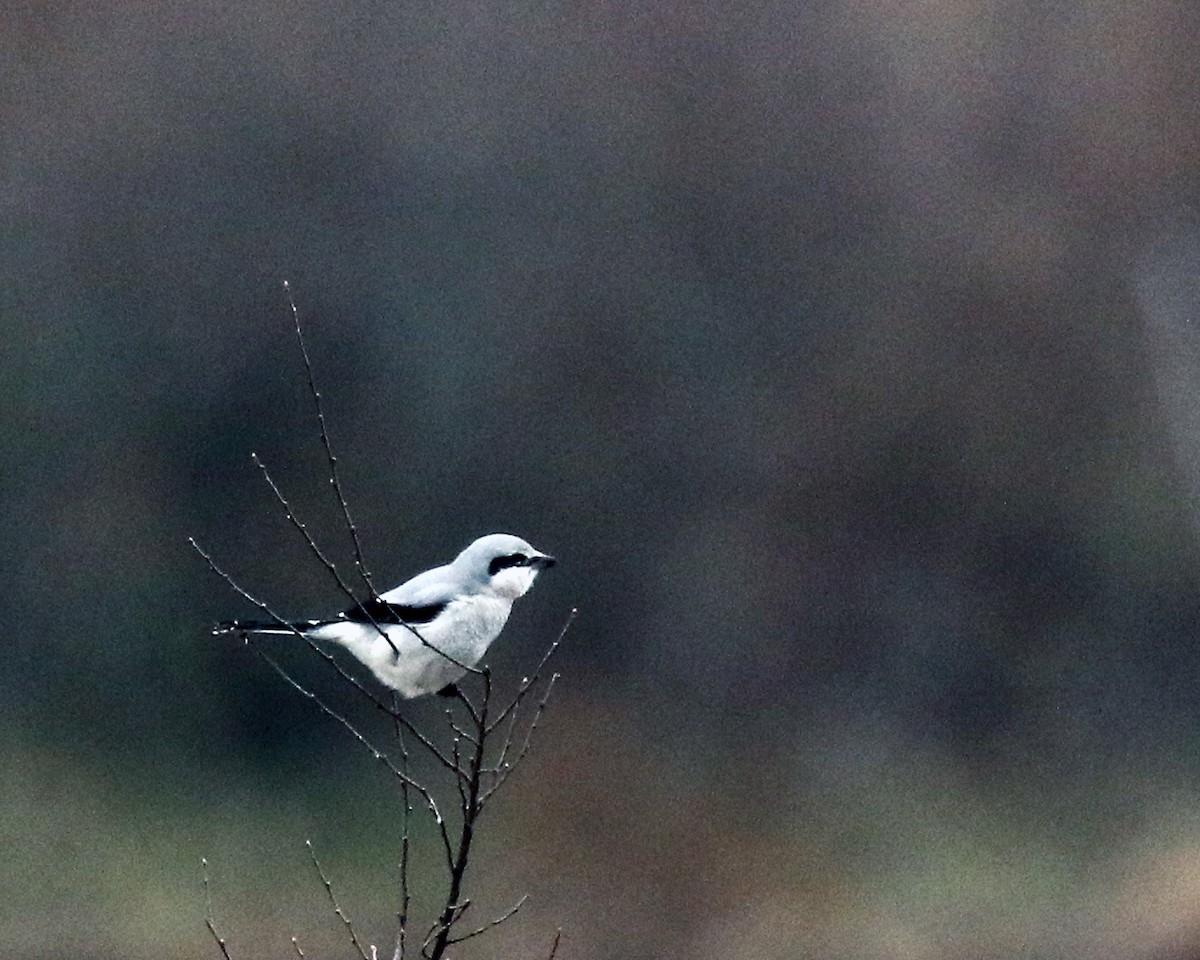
[842, 351]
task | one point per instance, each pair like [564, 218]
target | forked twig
[454, 914]
[508, 739]
[462, 697]
[336, 484]
[491, 924]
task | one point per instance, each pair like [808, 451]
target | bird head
[505, 564]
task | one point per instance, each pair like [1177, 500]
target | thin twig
[265, 608]
[208, 914]
[554, 946]
[528, 683]
[284, 624]
[233, 584]
[508, 740]
[461, 695]
[296, 947]
[494, 923]
[427, 744]
[341, 914]
[462, 790]
[334, 480]
[336, 484]
[458, 731]
[393, 711]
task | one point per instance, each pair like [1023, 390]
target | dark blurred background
[846, 353]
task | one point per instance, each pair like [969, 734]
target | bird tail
[265, 626]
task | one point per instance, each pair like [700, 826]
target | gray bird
[458, 610]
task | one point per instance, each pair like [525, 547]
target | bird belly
[463, 632]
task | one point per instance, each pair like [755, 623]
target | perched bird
[457, 610]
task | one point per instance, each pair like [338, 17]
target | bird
[423, 635]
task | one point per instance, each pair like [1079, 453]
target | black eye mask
[503, 563]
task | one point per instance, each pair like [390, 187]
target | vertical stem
[470, 813]
[405, 812]
[334, 480]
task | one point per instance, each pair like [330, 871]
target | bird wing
[437, 586]
[380, 611]
[415, 601]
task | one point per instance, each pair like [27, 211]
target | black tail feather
[264, 626]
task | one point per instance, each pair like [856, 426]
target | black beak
[542, 563]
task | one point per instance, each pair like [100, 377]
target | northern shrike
[457, 610]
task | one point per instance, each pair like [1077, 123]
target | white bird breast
[513, 582]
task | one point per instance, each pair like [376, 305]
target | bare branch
[332, 568]
[392, 711]
[296, 947]
[471, 806]
[280, 622]
[405, 845]
[283, 623]
[208, 913]
[461, 696]
[336, 484]
[453, 915]
[333, 900]
[554, 946]
[237, 588]
[334, 481]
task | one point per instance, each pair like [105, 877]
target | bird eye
[503, 563]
